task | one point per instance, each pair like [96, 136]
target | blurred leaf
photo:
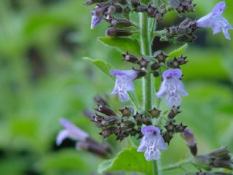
[63, 160]
[127, 160]
[178, 52]
[103, 66]
[123, 44]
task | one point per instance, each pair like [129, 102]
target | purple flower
[151, 142]
[215, 20]
[124, 82]
[172, 87]
[95, 20]
[70, 131]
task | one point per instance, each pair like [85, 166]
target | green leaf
[178, 52]
[103, 66]
[127, 160]
[123, 44]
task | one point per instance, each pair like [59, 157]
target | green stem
[147, 80]
[177, 165]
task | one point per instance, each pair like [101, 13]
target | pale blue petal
[61, 136]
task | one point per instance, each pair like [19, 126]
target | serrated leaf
[103, 66]
[127, 160]
[178, 52]
[123, 44]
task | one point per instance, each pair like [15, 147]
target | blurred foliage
[43, 78]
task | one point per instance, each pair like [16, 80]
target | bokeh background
[43, 78]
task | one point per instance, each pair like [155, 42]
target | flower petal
[61, 136]
[73, 131]
[219, 8]
[152, 155]
[142, 146]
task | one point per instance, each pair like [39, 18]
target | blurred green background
[43, 78]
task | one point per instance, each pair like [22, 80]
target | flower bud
[141, 8]
[155, 66]
[220, 158]
[141, 73]
[111, 9]
[146, 120]
[180, 127]
[160, 56]
[143, 62]
[170, 126]
[118, 32]
[154, 112]
[105, 110]
[130, 58]
[188, 136]
[138, 118]
[174, 111]
[151, 10]
[126, 111]
[121, 23]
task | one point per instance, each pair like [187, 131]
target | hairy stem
[147, 80]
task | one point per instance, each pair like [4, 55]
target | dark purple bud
[180, 128]
[130, 58]
[188, 136]
[174, 111]
[143, 62]
[111, 9]
[128, 124]
[141, 8]
[151, 10]
[146, 120]
[120, 23]
[106, 132]
[141, 73]
[170, 126]
[105, 110]
[100, 100]
[118, 32]
[138, 118]
[167, 136]
[155, 66]
[154, 112]
[160, 56]
[100, 10]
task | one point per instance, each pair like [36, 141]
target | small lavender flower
[215, 20]
[95, 20]
[151, 142]
[172, 87]
[124, 83]
[70, 131]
